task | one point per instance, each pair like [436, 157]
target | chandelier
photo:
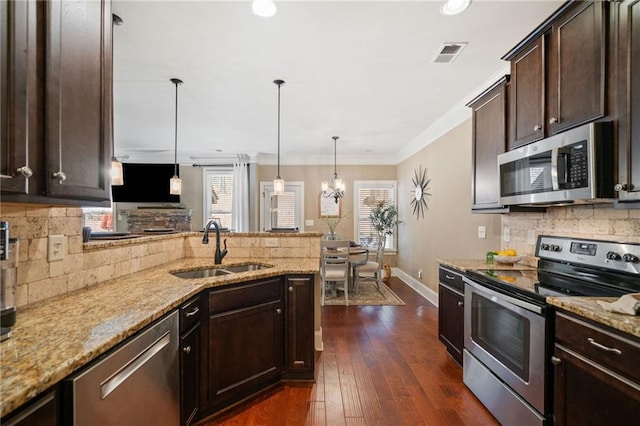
[335, 189]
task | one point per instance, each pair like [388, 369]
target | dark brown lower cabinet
[42, 412]
[245, 340]
[190, 336]
[595, 376]
[451, 312]
[300, 351]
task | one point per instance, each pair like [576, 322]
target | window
[284, 211]
[218, 195]
[368, 194]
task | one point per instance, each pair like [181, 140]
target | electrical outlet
[308, 222]
[420, 274]
[531, 237]
[271, 242]
[506, 235]
[57, 248]
[482, 232]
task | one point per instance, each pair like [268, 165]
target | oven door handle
[509, 299]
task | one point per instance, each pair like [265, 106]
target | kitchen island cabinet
[628, 186]
[299, 353]
[56, 101]
[244, 341]
[451, 312]
[190, 357]
[596, 379]
[559, 73]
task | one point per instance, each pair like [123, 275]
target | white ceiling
[359, 70]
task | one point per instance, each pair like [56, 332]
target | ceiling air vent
[448, 52]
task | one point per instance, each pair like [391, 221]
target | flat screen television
[145, 183]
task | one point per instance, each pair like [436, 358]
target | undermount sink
[214, 272]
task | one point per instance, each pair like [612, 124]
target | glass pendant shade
[175, 186]
[336, 189]
[278, 186]
[117, 178]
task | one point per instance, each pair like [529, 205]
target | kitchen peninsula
[58, 336]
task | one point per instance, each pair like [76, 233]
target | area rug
[367, 294]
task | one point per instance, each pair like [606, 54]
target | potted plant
[384, 219]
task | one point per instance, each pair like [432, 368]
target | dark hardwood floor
[381, 365]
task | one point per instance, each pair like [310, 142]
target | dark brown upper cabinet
[489, 122]
[558, 73]
[56, 101]
[628, 16]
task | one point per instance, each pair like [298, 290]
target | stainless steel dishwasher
[138, 383]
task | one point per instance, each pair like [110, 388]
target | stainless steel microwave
[575, 166]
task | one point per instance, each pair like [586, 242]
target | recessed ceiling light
[453, 7]
[263, 8]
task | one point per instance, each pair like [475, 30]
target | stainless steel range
[509, 326]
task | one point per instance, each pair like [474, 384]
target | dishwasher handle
[134, 365]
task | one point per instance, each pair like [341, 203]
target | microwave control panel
[576, 165]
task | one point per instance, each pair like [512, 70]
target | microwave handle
[554, 168]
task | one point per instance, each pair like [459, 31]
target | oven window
[503, 333]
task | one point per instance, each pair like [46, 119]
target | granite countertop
[588, 308]
[463, 265]
[58, 336]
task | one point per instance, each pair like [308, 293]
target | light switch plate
[482, 232]
[57, 248]
[531, 237]
[308, 222]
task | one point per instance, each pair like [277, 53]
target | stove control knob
[612, 255]
[555, 247]
[544, 246]
[631, 258]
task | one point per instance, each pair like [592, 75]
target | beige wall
[449, 229]
[313, 176]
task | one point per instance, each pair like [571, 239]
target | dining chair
[334, 267]
[369, 270]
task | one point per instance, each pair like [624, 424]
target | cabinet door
[527, 94]
[78, 98]
[489, 140]
[299, 349]
[577, 67]
[245, 351]
[190, 367]
[451, 321]
[587, 394]
[629, 105]
[43, 412]
[18, 94]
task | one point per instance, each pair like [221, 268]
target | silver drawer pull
[449, 277]
[603, 347]
[192, 313]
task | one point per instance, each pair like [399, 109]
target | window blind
[220, 198]
[283, 210]
[369, 195]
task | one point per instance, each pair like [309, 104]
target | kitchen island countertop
[54, 338]
[462, 265]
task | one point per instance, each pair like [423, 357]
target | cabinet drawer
[247, 294]
[190, 313]
[452, 279]
[602, 346]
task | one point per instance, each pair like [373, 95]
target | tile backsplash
[86, 265]
[600, 222]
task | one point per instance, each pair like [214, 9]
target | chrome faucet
[220, 254]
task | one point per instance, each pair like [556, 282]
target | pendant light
[175, 184]
[278, 182]
[336, 188]
[117, 176]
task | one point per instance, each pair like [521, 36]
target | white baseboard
[319, 345]
[420, 288]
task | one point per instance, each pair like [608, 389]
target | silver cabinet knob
[553, 120]
[620, 187]
[25, 171]
[290, 289]
[60, 176]
[460, 303]
[278, 311]
[555, 360]
[186, 349]
[537, 128]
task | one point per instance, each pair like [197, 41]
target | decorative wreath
[420, 192]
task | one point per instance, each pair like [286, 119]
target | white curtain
[240, 207]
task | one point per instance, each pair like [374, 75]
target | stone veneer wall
[601, 222]
[140, 219]
[39, 279]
